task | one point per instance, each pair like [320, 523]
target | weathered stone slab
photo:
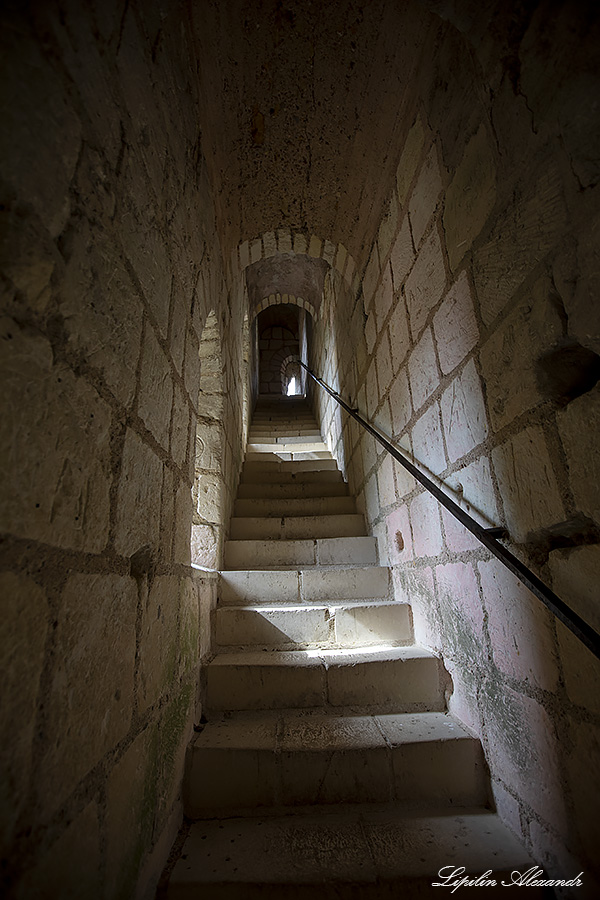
[156, 389]
[463, 413]
[425, 195]
[527, 484]
[470, 197]
[90, 703]
[102, 310]
[455, 326]
[55, 444]
[524, 233]
[409, 160]
[23, 627]
[582, 449]
[139, 496]
[158, 641]
[425, 284]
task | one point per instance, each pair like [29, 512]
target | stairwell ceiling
[303, 108]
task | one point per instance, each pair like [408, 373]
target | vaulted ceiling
[303, 105]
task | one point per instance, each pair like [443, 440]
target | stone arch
[286, 240]
[290, 368]
[275, 299]
[208, 488]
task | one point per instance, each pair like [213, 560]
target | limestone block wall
[470, 336]
[110, 269]
[276, 345]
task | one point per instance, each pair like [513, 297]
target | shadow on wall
[208, 473]
[277, 343]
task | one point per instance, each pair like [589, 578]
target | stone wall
[110, 268]
[470, 336]
[276, 346]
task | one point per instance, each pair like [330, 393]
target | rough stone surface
[398, 331]
[158, 641]
[454, 325]
[71, 867]
[527, 231]
[400, 402]
[58, 494]
[470, 196]
[107, 328]
[95, 650]
[426, 529]
[509, 359]
[525, 749]
[422, 370]
[139, 497]
[527, 484]
[425, 284]
[472, 489]
[156, 400]
[131, 795]
[521, 633]
[582, 451]
[409, 160]
[428, 446]
[23, 625]
[463, 413]
[461, 611]
[575, 573]
[402, 255]
[424, 198]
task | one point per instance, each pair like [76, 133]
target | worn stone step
[296, 527]
[294, 627]
[322, 586]
[287, 455]
[291, 476]
[261, 463]
[294, 489]
[360, 852]
[284, 436]
[297, 432]
[273, 416]
[391, 678]
[332, 551]
[312, 506]
[293, 759]
[291, 446]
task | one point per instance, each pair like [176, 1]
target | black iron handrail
[487, 536]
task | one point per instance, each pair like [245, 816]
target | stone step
[293, 490]
[405, 679]
[325, 586]
[277, 431]
[275, 426]
[296, 527]
[295, 627]
[281, 456]
[288, 759]
[273, 415]
[332, 551]
[291, 446]
[312, 506]
[291, 476]
[361, 852]
[284, 436]
[262, 463]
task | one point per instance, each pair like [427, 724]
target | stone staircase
[329, 766]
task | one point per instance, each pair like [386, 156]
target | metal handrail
[578, 626]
